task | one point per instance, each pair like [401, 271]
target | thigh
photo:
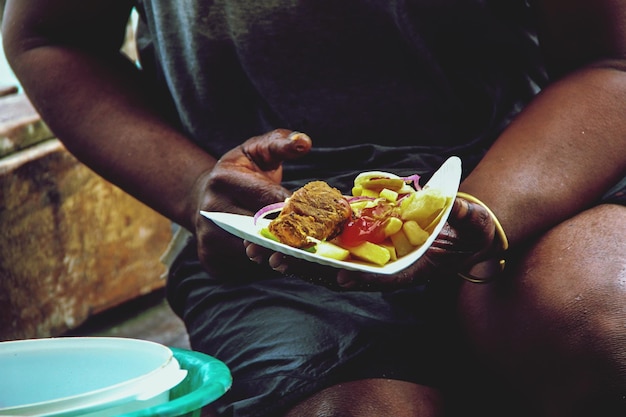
[373, 398]
[555, 327]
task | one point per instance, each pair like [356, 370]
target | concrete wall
[71, 244]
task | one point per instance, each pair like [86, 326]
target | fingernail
[298, 135]
[257, 259]
[277, 264]
[281, 268]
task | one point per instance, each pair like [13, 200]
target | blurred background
[6, 75]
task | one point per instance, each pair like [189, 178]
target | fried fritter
[316, 210]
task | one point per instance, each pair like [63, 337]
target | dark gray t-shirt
[377, 84]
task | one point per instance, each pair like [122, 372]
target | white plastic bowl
[86, 376]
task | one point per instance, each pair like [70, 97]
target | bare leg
[555, 332]
[372, 398]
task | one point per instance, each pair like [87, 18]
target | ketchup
[368, 226]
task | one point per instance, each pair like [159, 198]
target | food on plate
[316, 211]
[386, 218]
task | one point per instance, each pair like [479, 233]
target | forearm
[104, 115]
[559, 155]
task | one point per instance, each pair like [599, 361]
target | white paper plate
[446, 180]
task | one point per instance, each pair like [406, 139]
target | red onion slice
[267, 210]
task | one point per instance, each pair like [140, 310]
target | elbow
[16, 40]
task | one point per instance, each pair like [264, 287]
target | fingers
[288, 265]
[256, 253]
[260, 255]
[344, 279]
[475, 232]
[243, 180]
[270, 150]
[251, 174]
[473, 223]
[278, 262]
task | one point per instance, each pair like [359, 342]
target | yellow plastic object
[207, 380]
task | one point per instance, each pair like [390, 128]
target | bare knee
[558, 322]
[574, 279]
[372, 398]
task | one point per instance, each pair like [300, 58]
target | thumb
[270, 150]
[473, 223]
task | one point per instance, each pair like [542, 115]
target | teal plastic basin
[207, 380]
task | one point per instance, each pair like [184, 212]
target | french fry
[392, 250]
[414, 233]
[401, 243]
[388, 195]
[423, 206]
[437, 218]
[371, 252]
[380, 183]
[366, 192]
[392, 226]
[330, 250]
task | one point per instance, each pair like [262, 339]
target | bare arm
[562, 152]
[65, 53]
[569, 145]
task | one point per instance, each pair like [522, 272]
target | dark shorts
[284, 338]
[617, 194]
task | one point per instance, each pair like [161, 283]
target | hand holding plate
[243, 180]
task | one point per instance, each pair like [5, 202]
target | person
[234, 105]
